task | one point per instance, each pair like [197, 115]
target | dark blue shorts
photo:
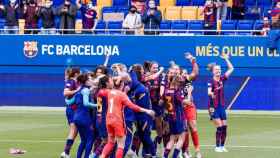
[177, 123]
[70, 115]
[101, 127]
[219, 113]
[158, 110]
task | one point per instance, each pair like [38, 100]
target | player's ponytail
[103, 82]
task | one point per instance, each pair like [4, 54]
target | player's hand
[190, 89]
[211, 110]
[224, 56]
[151, 113]
[161, 68]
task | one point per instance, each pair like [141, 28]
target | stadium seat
[167, 3]
[196, 25]
[113, 13]
[253, 13]
[79, 15]
[104, 2]
[245, 25]
[200, 14]
[2, 23]
[173, 13]
[121, 2]
[179, 25]
[183, 3]
[165, 26]
[162, 9]
[115, 25]
[258, 25]
[40, 23]
[228, 25]
[189, 13]
[198, 2]
[265, 11]
[101, 26]
[57, 22]
[264, 3]
[250, 2]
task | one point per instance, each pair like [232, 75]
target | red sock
[108, 149]
[186, 143]
[119, 153]
[195, 139]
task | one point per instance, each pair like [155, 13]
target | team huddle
[115, 110]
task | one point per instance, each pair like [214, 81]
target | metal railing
[125, 32]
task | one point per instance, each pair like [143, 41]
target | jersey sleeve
[69, 85]
[102, 93]
[224, 78]
[128, 103]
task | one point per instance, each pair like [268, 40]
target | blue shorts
[70, 115]
[219, 113]
[177, 123]
[101, 127]
[158, 110]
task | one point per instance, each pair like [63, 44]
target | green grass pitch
[42, 133]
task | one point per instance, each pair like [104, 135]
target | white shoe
[198, 155]
[64, 155]
[186, 155]
[219, 150]
[131, 154]
[224, 149]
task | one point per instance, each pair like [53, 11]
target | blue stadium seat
[250, 2]
[253, 13]
[258, 25]
[183, 2]
[79, 15]
[265, 11]
[57, 22]
[196, 25]
[2, 23]
[40, 23]
[179, 25]
[124, 10]
[198, 2]
[115, 25]
[120, 3]
[101, 26]
[245, 25]
[165, 27]
[109, 9]
[228, 25]
[264, 3]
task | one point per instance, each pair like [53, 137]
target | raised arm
[86, 96]
[106, 60]
[229, 65]
[135, 107]
[195, 68]
[154, 76]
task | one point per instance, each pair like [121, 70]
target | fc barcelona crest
[30, 49]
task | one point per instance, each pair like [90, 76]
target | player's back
[115, 106]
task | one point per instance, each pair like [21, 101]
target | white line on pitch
[62, 141]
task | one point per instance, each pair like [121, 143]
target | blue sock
[166, 153]
[68, 145]
[218, 136]
[176, 153]
[128, 139]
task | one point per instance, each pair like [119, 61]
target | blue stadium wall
[32, 67]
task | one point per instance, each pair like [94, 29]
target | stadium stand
[176, 14]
